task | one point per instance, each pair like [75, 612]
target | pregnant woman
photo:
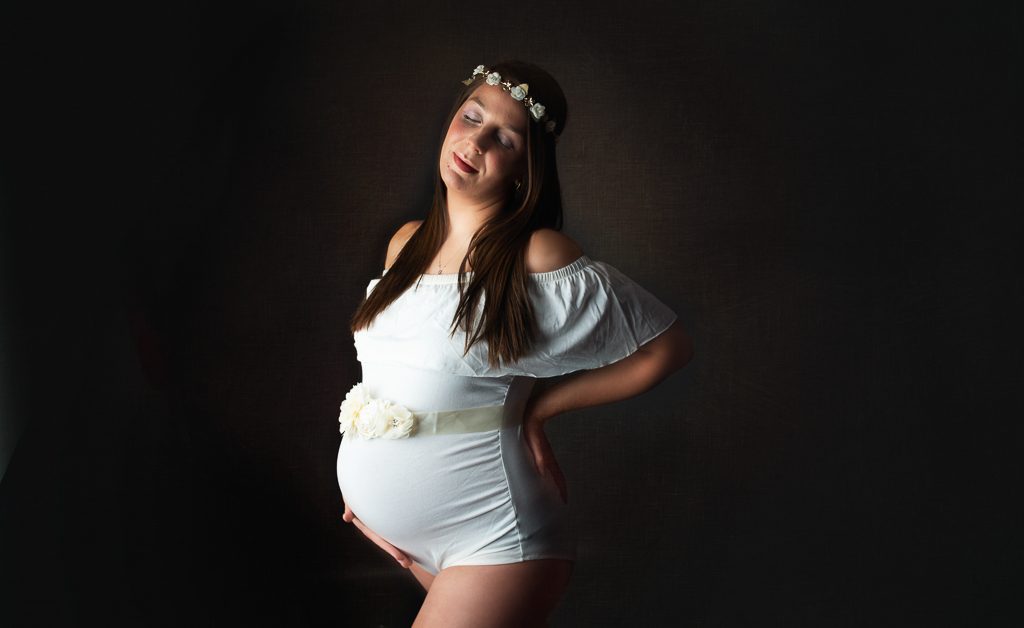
[443, 460]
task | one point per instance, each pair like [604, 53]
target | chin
[449, 179]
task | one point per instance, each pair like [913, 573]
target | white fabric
[476, 499]
[589, 314]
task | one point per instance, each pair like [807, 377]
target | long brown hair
[496, 251]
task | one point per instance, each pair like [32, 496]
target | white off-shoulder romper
[475, 498]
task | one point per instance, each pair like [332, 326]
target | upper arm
[399, 239]
[550, 250]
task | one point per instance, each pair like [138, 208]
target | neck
[467, 215]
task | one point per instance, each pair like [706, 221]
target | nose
[474, 143]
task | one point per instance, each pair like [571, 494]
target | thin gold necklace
[440, 267]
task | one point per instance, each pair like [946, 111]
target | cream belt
[371, 417]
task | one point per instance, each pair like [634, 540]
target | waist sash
[463, 421]
[369, 417]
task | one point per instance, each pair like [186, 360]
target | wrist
[540, 408]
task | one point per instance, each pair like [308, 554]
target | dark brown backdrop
[195, 196]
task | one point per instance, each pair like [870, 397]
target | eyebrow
[484, 107]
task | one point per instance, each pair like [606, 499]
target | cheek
[508, 161]
[455, 132]
[450, 136]
[499, 166]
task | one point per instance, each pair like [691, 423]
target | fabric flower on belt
[400, 421]
[355, 399]
[373, 418]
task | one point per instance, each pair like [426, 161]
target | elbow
[682, 347]
[684, 351]
[670, 351]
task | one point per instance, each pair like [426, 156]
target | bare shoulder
[549, 250]
[399, 239]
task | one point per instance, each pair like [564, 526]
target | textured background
[195, 195]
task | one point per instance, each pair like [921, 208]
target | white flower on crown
[517, 92]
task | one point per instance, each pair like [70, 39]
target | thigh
[424, 577]
[516, 595]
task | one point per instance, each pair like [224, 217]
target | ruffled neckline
[552, 275]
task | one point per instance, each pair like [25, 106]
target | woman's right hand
[396, 553]
[542, 454]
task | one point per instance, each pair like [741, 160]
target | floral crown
[537, 111]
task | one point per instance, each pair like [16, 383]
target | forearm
[620, 380]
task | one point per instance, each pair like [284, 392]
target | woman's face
[484, 151]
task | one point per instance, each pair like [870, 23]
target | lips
[463, 165]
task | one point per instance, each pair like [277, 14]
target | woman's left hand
[396, 553]
[542, 453]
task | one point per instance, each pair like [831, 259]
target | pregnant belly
[425, 493]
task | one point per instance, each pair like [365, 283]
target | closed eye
[501, 140]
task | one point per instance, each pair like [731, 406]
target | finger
[562, 485]
[395, 553]
[347, 516]
[562, 491]
[555, 471]
[536, 453]
[538, 459]
[547, 458]
[377, 539]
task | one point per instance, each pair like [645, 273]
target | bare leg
[425, 577]
[516, 595]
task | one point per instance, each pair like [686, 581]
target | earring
[518, 185]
